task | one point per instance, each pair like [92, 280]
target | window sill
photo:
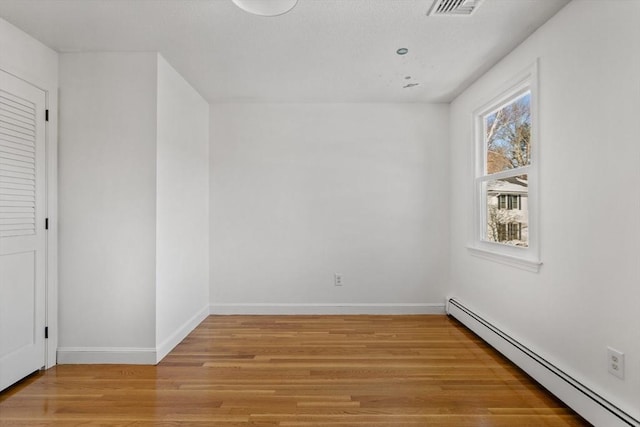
[511, 260]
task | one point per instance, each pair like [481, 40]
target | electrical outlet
[615, 362]
[337, 279]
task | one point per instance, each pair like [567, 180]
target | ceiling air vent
[453, 7]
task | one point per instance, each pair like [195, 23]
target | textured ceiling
[322, 51]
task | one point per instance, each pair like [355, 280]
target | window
[509, 232]
[505, 226]
[509, 201]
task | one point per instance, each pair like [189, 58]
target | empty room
[320, 213]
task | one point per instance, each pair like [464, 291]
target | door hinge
[46, 115]
[46, 332]
[46, 223]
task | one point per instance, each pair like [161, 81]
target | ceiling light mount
[266, 7]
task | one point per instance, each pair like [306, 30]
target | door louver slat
[17, 166]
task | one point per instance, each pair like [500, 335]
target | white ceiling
[322, 51]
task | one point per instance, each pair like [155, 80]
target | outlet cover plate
[615, 362]
[337, 279]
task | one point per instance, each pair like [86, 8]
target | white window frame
[527, 258]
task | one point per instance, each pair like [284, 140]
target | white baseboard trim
[589, 404]
[328, 309]
[106, 355]
[181, 333]
[129, 355]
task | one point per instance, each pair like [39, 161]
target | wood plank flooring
[298, 371]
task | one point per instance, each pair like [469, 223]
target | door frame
[51, 209]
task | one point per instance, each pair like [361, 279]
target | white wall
[107, 200]
[302, 191]
[27, 58]
[182, 249]
[134, 159]
[586, 295]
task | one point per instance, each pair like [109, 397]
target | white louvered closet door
[22, 233]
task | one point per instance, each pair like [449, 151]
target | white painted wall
[27, 58]
[107, 200]
[134, 162]
[182, 248]
[301, 191]
[586, 295]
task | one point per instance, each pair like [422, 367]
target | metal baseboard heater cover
[600, 408]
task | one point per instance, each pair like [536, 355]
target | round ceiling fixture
[266, 7]
[401, 51]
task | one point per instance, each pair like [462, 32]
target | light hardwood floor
[298, 371]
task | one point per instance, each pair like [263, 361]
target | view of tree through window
[508, 135]
[507, 138]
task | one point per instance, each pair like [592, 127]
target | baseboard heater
[589, 404]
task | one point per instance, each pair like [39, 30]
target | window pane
[508, 135]
[508, 223]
